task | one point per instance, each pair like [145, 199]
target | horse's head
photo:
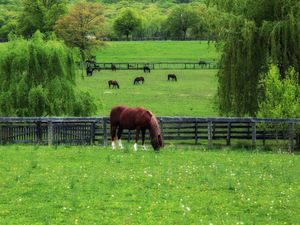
[155, 134]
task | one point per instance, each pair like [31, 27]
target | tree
[81, 26]
[39, 15]
[127, 22]
[267, 32]
[37, 78]
[180, 20]
[281, 98]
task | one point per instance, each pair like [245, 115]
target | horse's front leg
[137, 131]
[143, 139]
[120, 130]
[113, 129]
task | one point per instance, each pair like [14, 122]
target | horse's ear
[149, 113]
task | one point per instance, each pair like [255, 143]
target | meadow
[191, 95]
[95, 185]
[157, 51]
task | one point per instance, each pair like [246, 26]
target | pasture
[157, 51]
[95, 185]
[191, 95]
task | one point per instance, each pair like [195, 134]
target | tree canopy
[37, 78]
[80, 27]
[127, 22]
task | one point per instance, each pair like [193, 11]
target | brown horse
[172, 77]
[123, 117]
[113, 83]
[137, 80]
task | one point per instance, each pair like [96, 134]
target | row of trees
[180, 21]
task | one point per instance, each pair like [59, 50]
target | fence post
[104, 123]
[1, 136]
[196, 131]
[93, 127]
[50, 133]
[39, 132]
[291, 145]
[228, 134]
[209, 132]
[253, 134]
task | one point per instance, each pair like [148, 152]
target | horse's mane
[154, 126]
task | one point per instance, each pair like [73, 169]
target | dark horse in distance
[138, 119]
[113, 83]
[138, 80]
[147, 69]
[172, 77]
[113, 68]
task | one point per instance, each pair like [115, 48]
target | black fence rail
[88, 131]
[156, 65]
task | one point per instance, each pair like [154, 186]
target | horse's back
[130, 118]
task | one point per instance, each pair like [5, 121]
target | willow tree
[259, 33]
[37, 78]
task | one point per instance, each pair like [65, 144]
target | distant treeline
[148, 19]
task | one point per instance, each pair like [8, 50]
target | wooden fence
[156, 65]
[86, 131]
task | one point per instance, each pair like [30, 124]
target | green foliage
[281, 97]
[267, 32]
[180, 20]
[80, 27]
[128, 22]
[39, 15]
[37, 78]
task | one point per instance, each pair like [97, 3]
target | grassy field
[94, 185]
[157, 51]
[191, 95]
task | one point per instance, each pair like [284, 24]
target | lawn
[157, 51]
[95, 185]
[191, 95]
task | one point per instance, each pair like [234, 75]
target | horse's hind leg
[120, 130]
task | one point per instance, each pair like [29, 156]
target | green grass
[191, 95]
[157, 51]
[94, 185]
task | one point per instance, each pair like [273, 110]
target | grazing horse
[90, 70]
[113, 67]
[113, 83]
[202, 63]
[172, 77]
[123, 117]
[137, 80]
[146, 69]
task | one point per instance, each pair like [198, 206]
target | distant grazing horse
[147, 69]
[202, 63]
[113, 67]
[113, 83]
[90, 70]
[123, 117]
[137, 80]
[172, 77]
